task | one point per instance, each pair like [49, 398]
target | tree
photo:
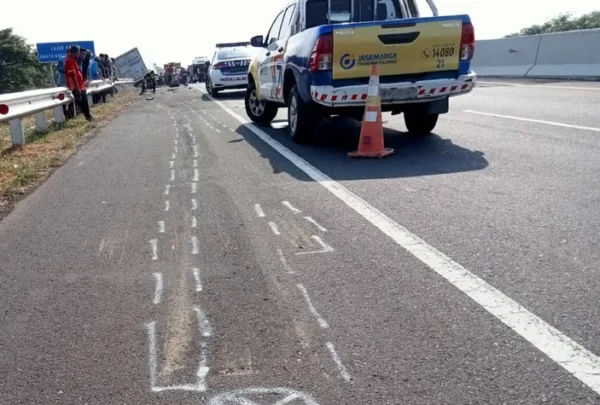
[561, 23]
[19, 68]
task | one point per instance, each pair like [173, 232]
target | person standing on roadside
[75, 81]
[100, 60]
[108, 65]
[85, 65]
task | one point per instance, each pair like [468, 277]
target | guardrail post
[40, 121]
[59, 114]
[16, 132]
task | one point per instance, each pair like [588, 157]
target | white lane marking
[325, 248]
[167, 205]
[194, 204]
[286, 266]
[195, 243]
[205, 328]
[154, 244]
[176, 141]
[273, 226]
[161, 226]
[194, 222]
[322, 322]
[259, 210]
[171, 163]
[167, 188]
[152, 356]
[291, 207]
[196, 175]
[195, 162]
[172, 175]
[539, 86]
[338, 362]
[175, 147]
[556, 124]
[194, 188]
[315, 223]
[173, 156]
[196, 273]
[195, 153]
[576, 359]
[158, 289]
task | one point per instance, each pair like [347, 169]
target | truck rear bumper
[394, 93]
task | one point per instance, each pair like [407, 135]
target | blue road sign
[50, 52]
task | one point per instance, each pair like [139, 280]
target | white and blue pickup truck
[316, 60]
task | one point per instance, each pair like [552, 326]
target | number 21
[440, 63]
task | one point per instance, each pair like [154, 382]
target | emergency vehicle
[229, 67]
[316, 60]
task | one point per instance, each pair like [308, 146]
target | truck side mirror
[257, 41]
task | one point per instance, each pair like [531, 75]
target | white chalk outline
[195, 163]
[167, 188]
[240, 396]
[195, 244]
[286, 266]
[325, 248]
[194, 188]
[167, 205]
[259, 211]
[161, 226]
[194, 204]
[315, 223]
[291, 207]
[338, 362]
[196, 273]
[320, 320]
[196, 175]
[194, 222]
[171, 163]
[274, 228]
[158, 289]
[154, 244]
[172, 175]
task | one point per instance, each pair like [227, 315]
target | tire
[261, 112]
[302, 118]
[419, 122]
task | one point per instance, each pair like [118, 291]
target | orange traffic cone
[371, 132]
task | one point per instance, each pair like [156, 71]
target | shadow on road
[414, 156]
[227, 95]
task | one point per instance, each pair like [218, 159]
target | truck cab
[317, 55]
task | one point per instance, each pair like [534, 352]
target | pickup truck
[317, 56]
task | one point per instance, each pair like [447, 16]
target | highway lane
[178, 258]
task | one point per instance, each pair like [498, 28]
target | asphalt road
[185, 256]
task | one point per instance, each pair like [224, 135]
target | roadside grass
[23, 167]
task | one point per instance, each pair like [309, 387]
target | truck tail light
[322, 54]
[467, 42]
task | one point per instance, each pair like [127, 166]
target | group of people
[77, 69]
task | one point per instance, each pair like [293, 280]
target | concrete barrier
[565, 55]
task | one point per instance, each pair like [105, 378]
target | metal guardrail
[16, 106]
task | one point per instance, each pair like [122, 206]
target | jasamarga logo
[377, 59]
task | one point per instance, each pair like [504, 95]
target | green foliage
[19, 69]
[561, 23]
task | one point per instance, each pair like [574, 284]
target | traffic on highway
[220, 243]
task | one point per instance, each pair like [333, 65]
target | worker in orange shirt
[75, 82]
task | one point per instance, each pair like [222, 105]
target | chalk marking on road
[173, 156]
[325, 248]
[273, 226]
[286, 266]
[291, 207]
[322, 322]
[172, 175]
[259, 210]
[195, 153]
[194, 222]
[217, 129]
[195, 245]
[205, 328]
[338, 362]
[175, 141]
[195, 162]
[175, 148]
[194, 204]
[556, 124]
[161, 226]
[242, 397]
[80, 163]
[196, 175]
[176, 129]
[171, 163]
[576, 359]
[315, 223]
[196, 273]
[193, 140]
[194, 188]
[167, 205]
[158, 289]
[167, 188]
[154, 244]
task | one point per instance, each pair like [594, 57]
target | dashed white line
[195, 244]
[286, 266]
[158, 289]
[576, 359]
[291, 207]
[194, 204]
[194, 222]
[325, 248]
[171, 163]
[273, 226]
[161, 226]
[175, 148]
[172, 175]
[167, 205]
[154, 244]
[315, 223]
[196, 273]
[167, 188]
[556, 124]
[338, 362]
[205, 328]
[259, 210]
[322, 322]
[194, 188]
[173, 156]
[195, 153]
[195, 163]
[176, 141]
[196, 175]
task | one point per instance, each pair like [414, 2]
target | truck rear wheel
[302, 118]
[259, 111]
[419, 122]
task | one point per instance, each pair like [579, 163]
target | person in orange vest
[75, 82]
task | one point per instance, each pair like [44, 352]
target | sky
[182, 30]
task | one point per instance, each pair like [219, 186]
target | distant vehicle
[131, 65]
[229, 67]
[199, 69]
